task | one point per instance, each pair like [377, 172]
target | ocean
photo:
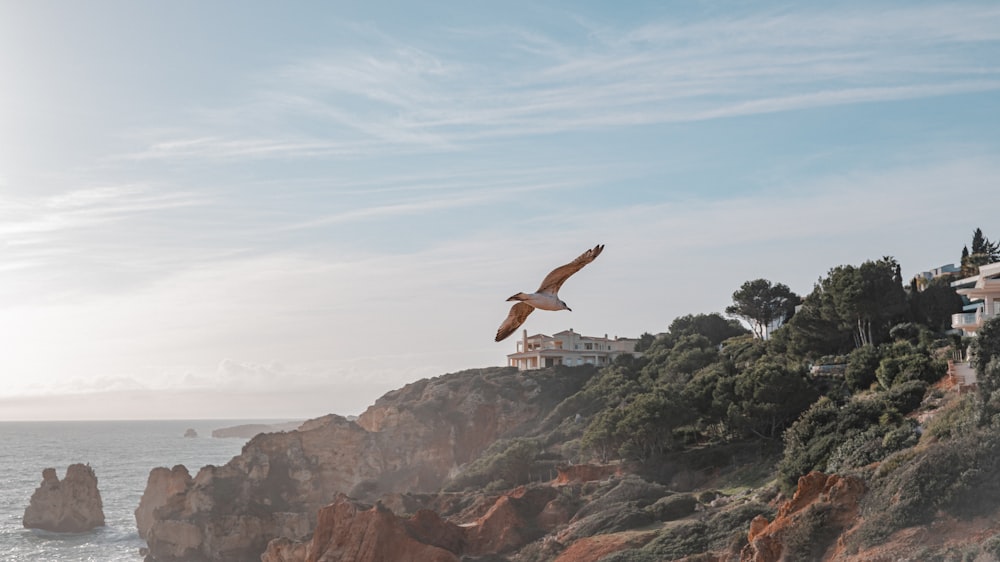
[121, 453]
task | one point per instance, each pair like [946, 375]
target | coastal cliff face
[410, 440]
[70, 505]
[429, 472]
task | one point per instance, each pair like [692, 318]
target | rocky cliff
[70, 505]
[410, 440]
[372, 489]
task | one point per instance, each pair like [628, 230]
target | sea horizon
[122, 454]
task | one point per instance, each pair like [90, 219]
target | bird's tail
[518, 297]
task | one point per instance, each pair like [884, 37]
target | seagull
[546, 297]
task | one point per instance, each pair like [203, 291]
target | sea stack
[72, 505]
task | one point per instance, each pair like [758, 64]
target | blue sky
[249, 209]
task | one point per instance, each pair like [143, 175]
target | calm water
[122, 453]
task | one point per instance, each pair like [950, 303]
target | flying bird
[546, 297]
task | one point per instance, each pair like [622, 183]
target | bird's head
[565, 306]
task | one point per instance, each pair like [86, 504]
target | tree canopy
[762, 304]
[983, 252]
[851, 307]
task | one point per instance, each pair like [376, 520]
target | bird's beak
[569, 309]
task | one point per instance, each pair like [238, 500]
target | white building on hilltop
[983, 292]
[568, 348]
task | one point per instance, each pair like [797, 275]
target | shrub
[906, 396]
[677, 542]
[955, 419]
[905, 362]
[673, 507]
[907, 331]
[961, 475]
[992, 546]
[861, 365]
[622, 518]
[811, 535]
[628, 490]
[506, 463]
[811, 440]
[863, 449]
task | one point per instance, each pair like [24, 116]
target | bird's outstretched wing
[555, 279]
[515, 318]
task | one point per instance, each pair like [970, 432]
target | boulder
[72, 505]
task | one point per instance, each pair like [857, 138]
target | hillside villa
[568, 348]
[983, 294]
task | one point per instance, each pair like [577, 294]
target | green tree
[819, 431]
[645, 341]
[646, 428]
[767, 398]
[861, 366]
[639, 429]
[601, 436]
[983, 252]
[868, 299]
[934, 305]
[761, 303]
[817, 329]
[713, 326]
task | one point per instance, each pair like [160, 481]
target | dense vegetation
[835, 388]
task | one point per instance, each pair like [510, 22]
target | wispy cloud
[82, 208]
[408, 97]
[433, 201]
[73, 239]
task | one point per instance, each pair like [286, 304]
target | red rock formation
[510, 523]
[72, 505]
[348, 532]
[838, 497]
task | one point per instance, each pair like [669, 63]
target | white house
[983, 293]
[568, 348]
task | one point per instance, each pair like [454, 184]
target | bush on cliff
[960, 475]
[723, 531]
[504, 464]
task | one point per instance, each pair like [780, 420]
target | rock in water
[72, 505]
[190, 433]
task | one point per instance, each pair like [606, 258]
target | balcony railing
[973, 319]
[964, 319]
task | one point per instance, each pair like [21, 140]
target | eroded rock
[826, 503]
[70, 505]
